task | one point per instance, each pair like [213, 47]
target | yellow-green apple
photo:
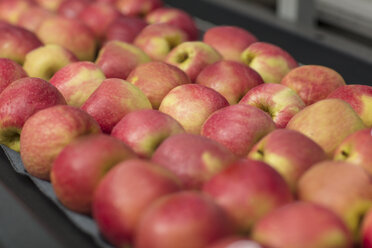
[156, 79]
[124, 28]
[193, 158]
[231, 79]
[77, 81]
[16, 42]
[313, 82]
[112, 100]
[289, 152]
[144, 130]
[229, 41]
[248, 190]
[366, 238]
[117, 208]
[20, 100]
[117, 59]
[157, 40]
[238, 127]
[98, 16]
[360, 99]
[46, 60]
[72, 8]
[81, 165]
[269, 60]
[32, 17]
[175, 17]
[235, 242]
[11, 10]
[328, 122]
[192, 57]
[279, 101]
[185, 219]
[49, 4]
[342, 187]
[47, 132]
[71, 34]
[356, 149]
[137, 7]
[191, 104]
[9, 72]
[302, 225]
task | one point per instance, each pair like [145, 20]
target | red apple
[137, 7]
[125, 29]
[49, 4]
[72, 8]
[9, 72]
[118, 216]
[367, 231]
[11, 10]
[32, 17]
[235, 242]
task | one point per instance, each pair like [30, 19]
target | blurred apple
[124, 29]
[11, 10]
[49, 4]
[137, 7]
[9, 72]
[72, 8]
[367, 231]
[32, 17]
[235, 242]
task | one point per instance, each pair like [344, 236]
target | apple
[9, 72]
[156, 79]
[70, 34]
[191, 104]
[72, 8]
[16, 42]
[356, 149]
[175, 17]
[229, 41]
[137, 7]
[11, 10]
[193, 158]
[77, 81]
[81, 165]
[289, 152]
[46, 60]
[238, 127]
[144, 130]
[20, 100]
[231, 79]
[342, 187]
[118, 216]
[49, 4]
[302, 224]
[32, 17]
[360, 99]
[269, 60]
[313, 82]
[367, 231]
[185, 219]
[328, 122]
[192, 57]
[235, 242]
[157, 40]
[117, 59]
[47, 132]
[112, 100]
[125, 29]
[279, 101]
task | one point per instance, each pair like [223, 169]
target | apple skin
[341, 187]
[47, 132]
[11, 10]
[313, 82]
[70, 34]
[16, 42]
[191, 104]
[112, 100]
[229, 41]
[77, 81]
[81, 165]
[157, 40]
[236, 242]
[360, 99]
[356, 149]
[367, 231]
[193, 158]
[231, 79]
[9, 72]
[72, 8]
[318, 122]
[269, 60]
[32, 17]
[302, 224]
[118, 216]
[175, 17]
[49, 4]
[46, 60]
[20, 100]
[279, 101]
[117, 59]
[248, 190]
[238, 127]
[124, 29]
[289, 152]
[185, 219]
[192, 57]
[156, 79]
[144, 130]
[137, 7]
